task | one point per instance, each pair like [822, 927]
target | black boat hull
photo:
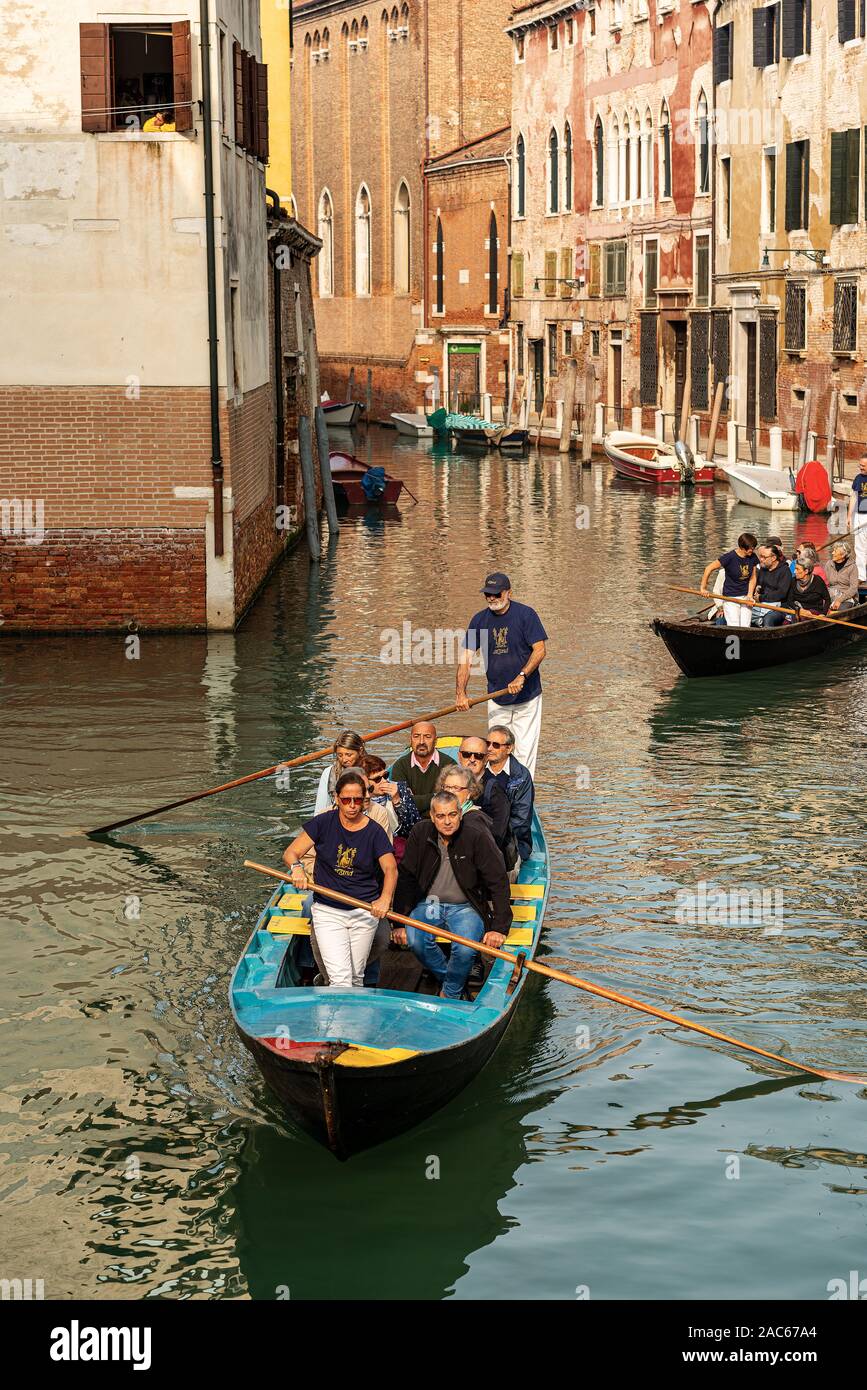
[349, 1109]
[702, 649]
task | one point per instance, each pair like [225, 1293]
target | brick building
[611, 200]
[388, 99]
[157, 493]
[790, 249]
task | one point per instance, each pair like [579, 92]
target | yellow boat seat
[528, 890]
[288, 924]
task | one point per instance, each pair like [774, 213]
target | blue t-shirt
[505, 641]
[859, 487]
[738, 572]
[347, 861]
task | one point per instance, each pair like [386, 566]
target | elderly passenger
[842, 577]
[809, 593]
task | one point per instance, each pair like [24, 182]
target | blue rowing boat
[356, 1067]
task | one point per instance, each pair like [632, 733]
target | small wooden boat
[416, 426]
[356, 1067]
[700, 648]
[512, 441]
[347, 473]
[469, 438]
[771, 489]
[341, 414]
[651, 461]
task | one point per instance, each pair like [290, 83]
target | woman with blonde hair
[348, 752]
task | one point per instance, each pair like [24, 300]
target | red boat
[650, 460]
[347, 473]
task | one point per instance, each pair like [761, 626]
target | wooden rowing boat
[347, 473]
[700, 648]
[650, 460]
[355, 1067]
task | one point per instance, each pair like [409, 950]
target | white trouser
[737, 614]
[859, 532]
[344, 940]
[525, 723]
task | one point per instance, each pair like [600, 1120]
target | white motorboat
[341, 414]
[650, 460]
[416, 426]
[771, 489]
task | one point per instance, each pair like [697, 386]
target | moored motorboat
[650, 460]
[700, 648]
[776, 489]
[470, 437]
[509, 440]
[348, 474]
[356, 1067]
[416, 426]
[341, 414]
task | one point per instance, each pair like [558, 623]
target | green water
[600, 1150]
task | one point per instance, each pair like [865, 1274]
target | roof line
[471, 144]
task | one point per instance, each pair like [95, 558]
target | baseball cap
[496, 583]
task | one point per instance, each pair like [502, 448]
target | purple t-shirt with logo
[347, 861]
[506, 641]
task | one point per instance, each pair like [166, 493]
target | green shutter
[793, 187]
[839, 150]
[853, 171]
[805, 182]
[760, 38]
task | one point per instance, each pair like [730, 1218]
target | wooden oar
[835, 541]
[772, 608]
[573, 980]
[294, 762]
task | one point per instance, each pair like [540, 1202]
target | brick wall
[89, 579]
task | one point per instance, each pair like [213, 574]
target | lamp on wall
[820, 258]
[556, 280]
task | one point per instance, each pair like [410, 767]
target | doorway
[750, 330]
[537, 360]
[679, 370]
[465, 378]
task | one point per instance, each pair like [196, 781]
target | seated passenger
[740, 567]
[773, 585]
[396, 797]
[420, 767]
[841, 577]
[516, 782]
[472, 755]
[353, 856]
[452, 875]
[809, 593]
[348, 752]
[809, 551]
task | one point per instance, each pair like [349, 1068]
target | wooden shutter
[565, 272]
[768, 366]
[808, 40]
[699, 332]
[620, 268]
[262, 110]
[182, 66]
[551, 273]
[649, 360]
[794, 195]
[845, 20]
[96, 85]
[760, 38]
[791, 37]
[838, 176]
[518, 274]
[805, 186]
[722, 54]
[853, 173]
[250, 103]
[238, 66]
[594, 286]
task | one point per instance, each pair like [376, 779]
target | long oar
[772, 608]
[573, 980]
[295, 762]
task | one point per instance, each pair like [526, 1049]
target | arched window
[326, 236]
[614, 165]
[439, 271]
[634, 158]
[493, 265]
[624, 162]
[553, 172]
[363, 33]
[567, 170]
[401, 240]
[665, 150]
[520, 177]
[703, 146]
[599, 152]
[404, 21]
[317, 44]
[353, 37]
[326, 45]
[646, 162]
[362, 242]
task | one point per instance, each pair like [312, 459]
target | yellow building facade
[276, 24]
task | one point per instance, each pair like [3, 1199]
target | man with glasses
[511, 639]
[473, 754]
[516, 782]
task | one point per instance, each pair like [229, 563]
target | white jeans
[344, 940]
[525, 724]
[859, 532]
[737, 614]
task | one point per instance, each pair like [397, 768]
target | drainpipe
[711, 250]
[211, 255]
[279, 410]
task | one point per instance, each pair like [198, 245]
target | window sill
[614, 27]
[854, 43]
[142, 137]
[770, 67]
[437, 313]
[849, 354]
[799, 59]
[795, 352]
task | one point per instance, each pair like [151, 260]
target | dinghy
[416, 426]
[649, 460]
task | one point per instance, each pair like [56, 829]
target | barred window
[699, 344]
[649, 380]
[768, 366]
[720, 352]
[845, 310]
[796, 316]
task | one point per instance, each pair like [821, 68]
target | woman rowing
[740, 566]
[353, 856]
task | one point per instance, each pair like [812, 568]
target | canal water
[601, 1153]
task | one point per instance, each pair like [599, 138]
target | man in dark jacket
[517, 783]
[452, 875]
[473, 754]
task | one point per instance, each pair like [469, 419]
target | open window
[136, 77]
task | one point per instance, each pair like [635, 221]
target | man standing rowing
[511, 639]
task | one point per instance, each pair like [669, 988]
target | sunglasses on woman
[350, 800]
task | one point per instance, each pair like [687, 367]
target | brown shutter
[250, 104]
[96, 92]
[594, 283]
[565, 272]
[238, 65]
[853, 173]
[182, 67]
[551, 274]
[262, 110]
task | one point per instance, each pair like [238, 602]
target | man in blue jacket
[517, 783]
